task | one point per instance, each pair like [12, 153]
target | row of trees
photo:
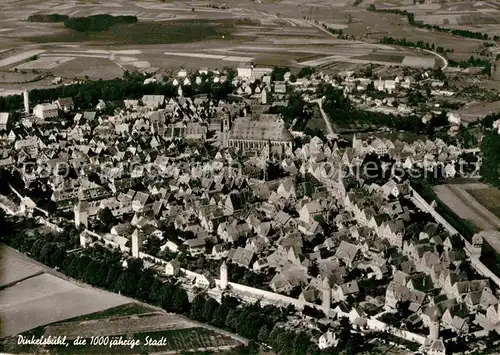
[490, 168]
[456, 32]
[473, 62]
[419, 44]
[338, 32]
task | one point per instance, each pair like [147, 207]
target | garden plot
[174, 341]
[120, 325]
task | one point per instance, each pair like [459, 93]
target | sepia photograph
[250, 177]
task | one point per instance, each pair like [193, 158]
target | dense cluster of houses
[200, 166]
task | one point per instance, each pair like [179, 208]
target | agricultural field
[44, 63]
[46, 299]
[488, 197]
[461, 199]
[172, 341]
[477, 110]
[114, 326]
[33, 296]
[13, 269]
[9, 77]
[193, 35]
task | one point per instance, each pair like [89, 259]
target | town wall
[422, 204]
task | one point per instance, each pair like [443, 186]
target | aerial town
[264, 177]
[229, 200]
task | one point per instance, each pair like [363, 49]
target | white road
[445, 61]
[331, 133]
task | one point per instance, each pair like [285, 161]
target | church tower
[137, 237]
[81, 214]
[26, 98]
[223, 276]
[326, 297]
[263, 97]
[225, 128]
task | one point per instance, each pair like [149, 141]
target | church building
[253, 135]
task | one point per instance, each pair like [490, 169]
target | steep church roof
[260, 130]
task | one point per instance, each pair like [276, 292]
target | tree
[135, 265]
[220, 315]
[231, 319]
[180, 301]
[166, 297]
[106, 217]
[71, 268]
[127, 283]
[301, 343]
[278, 74]
[305, 72]
[37, 248]
[345, 330]
[197, 307]
[93, 274]
[45, 253]
[155, 291]
[113, 273]
[284, 342]
[263, 334]
[147, 278]
[209, 309]
[490, 168]
[248, 323]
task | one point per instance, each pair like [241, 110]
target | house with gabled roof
[205, 281]
[65, 104]
[234, 203]
[196, 246]
[309, 210]
[399, 293]
[241, 256]
[348, 253]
